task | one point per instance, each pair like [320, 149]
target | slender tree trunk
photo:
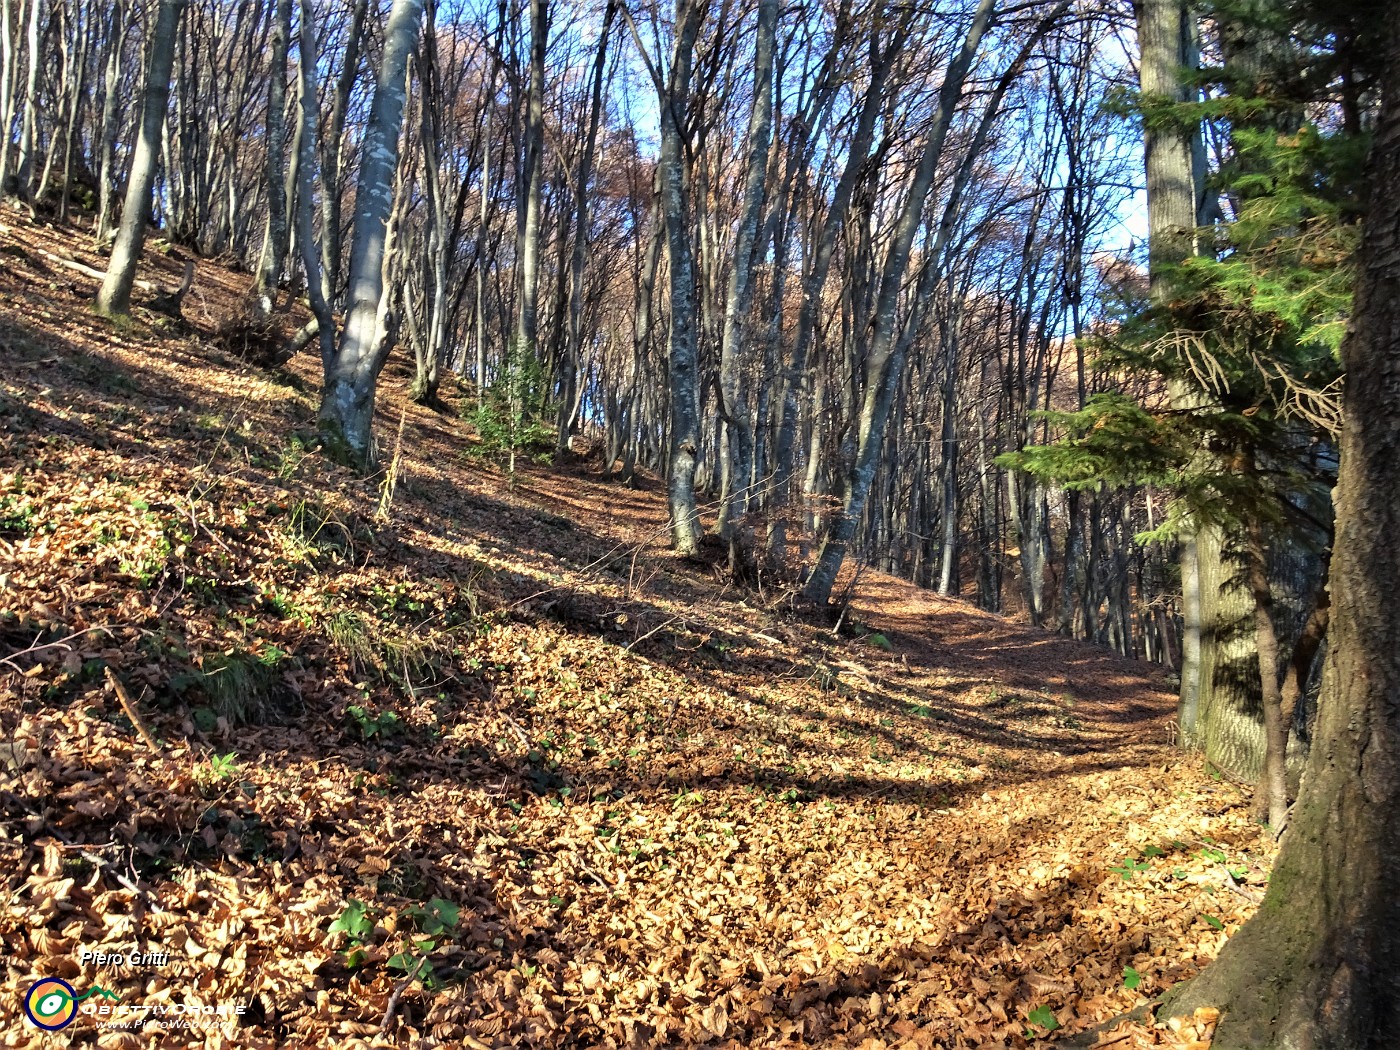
[74, 98]
[524, 346]
[114, 298]
[306, 170]
[734, 407]
[883, 361]
[1318, 967]
[7, 91]
[28, 130]
[573, 348]
[347, 400]
[814, 279]
[331, 146]
[275, 236]
[684, 364]
[1273, 787]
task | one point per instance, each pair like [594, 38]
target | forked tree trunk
[1318, 968]
[347, 399]
[114, 298]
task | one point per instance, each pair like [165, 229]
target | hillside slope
[476, 761]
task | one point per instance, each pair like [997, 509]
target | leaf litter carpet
[475, 761]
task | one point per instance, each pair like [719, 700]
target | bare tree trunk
[674, 99]
[306, 171]
[7, 91]
[114, 298]
[1315, 969]
[331, 146]
[77, 86]
[527, 309]
[573, 347]
[25, 167]
[883, 362]
[734, 406]
[275, 236]
[347, 400]
[813, 280]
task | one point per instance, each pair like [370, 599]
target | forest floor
[478, 762]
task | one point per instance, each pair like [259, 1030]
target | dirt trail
[496, 728]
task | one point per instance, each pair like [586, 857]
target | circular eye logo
[51, 1003]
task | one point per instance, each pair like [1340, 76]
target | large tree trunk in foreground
[114, 298]
[347, 400]
[1318, 968]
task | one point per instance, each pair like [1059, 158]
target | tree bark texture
[1318, 968]
[114, 297]
[347, 399]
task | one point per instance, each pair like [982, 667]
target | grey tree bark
[276, 233]
[331, 145]
[673, 97]
[25, 160]
[114, 298]
[1164, 29]
[347, 399]
[306, 189]
[527, 307]
[734, 406]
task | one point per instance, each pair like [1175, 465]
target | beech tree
[347, 399]
[114, 298]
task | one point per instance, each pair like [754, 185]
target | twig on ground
[61, 643]
[129, 706]
[1233, 885]
[402, 987]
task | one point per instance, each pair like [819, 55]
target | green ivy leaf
[1043, 1017]
[353, 921]
[1131, 978]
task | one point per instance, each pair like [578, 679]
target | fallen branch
[96, 275]
[402, 987]
[107, 865]
[129, 706]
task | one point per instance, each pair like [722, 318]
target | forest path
[647, 809]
